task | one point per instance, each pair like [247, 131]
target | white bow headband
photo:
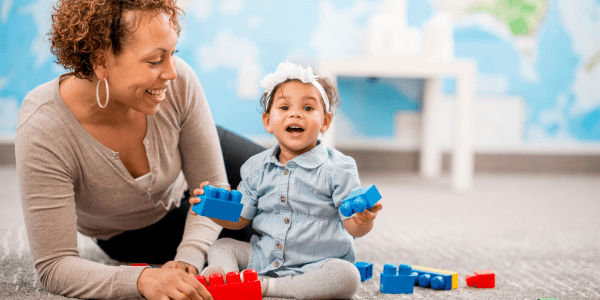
[289, 70]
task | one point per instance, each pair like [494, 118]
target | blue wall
[223, 39]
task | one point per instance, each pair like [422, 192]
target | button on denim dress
[295, 209]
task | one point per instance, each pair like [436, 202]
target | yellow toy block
[437, 279]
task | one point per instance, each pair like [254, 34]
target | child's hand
[194, 200]
[241, 223]
[196, 192]
[368, 215]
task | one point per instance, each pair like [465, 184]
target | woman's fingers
[185, 291]
[181, 266]
[198, 288]
[177, 294]
[192, 270]
[170, 283]
[169, 265]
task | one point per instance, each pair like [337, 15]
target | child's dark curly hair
[330, 90]
[81, 27]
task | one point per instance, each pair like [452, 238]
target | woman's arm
[202, 160]
[47, 195]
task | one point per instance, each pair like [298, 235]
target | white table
[464, 71]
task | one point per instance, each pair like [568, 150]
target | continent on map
[522, 17]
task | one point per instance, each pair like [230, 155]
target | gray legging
[336, 279]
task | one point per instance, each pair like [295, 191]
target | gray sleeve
[47, 195]
[202, 160]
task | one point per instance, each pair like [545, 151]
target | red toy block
[140, 264]
[234, 289]
[482, 279]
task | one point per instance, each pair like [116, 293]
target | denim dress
[295, 209]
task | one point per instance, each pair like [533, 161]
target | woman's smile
[157, 94]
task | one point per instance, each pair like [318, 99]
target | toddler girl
[304, 248]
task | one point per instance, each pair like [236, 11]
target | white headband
[287, 71]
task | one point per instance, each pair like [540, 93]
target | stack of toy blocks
[365, 269]
[397, 281]
[482, 279]
[234, 289]
[360, 200]
[435, 278]
[219, 204]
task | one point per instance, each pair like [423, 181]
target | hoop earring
[98, 95]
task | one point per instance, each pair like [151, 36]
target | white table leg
[431, 154]
[462, 158]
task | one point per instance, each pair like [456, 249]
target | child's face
[297, 117]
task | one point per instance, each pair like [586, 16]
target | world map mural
[545, 52]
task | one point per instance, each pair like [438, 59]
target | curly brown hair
[330, 90]
[81, 27]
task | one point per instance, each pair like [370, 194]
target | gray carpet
[539, 233]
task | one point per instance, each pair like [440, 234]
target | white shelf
[7, 138]
[465, 72]
[391, 144]
[388, 144]
[378, 144]
[543, 149]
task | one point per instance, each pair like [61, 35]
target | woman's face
[139, 77]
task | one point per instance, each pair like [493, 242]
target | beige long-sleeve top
[70, 182]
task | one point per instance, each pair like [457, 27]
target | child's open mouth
[294, 130]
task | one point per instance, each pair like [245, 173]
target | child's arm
[362, 223]
[241, 223]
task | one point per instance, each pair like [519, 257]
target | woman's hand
[190, 269]
[168, 283]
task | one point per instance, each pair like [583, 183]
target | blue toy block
[219, 204]
[435, 278]
[365, 269]
[360, 200]
[397, 281]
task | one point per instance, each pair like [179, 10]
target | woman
[110, 150]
